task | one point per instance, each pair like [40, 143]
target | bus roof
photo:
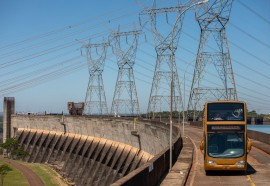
[224, 101]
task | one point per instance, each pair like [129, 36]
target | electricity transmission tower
[213, 55]
[165, 86]
[95, 100]
[125, 99]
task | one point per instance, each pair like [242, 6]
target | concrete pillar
[253, 120]
[9, 109]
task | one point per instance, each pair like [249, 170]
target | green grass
[47, 175]
[14, 177]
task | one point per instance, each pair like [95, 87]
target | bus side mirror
[202, 145]
[248, 145]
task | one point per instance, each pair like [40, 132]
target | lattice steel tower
[125, 99]
[95, 99]
[165, 75]
[213, 50]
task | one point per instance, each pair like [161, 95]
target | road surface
[258, 173]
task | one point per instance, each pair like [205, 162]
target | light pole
[183, 122]
[172, 58]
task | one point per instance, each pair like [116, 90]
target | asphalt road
[258, 173]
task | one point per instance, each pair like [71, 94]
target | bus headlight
[211, 162]
[240, 163]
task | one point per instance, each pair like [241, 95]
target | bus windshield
[226, 145]
[225, 111]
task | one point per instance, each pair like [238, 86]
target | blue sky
[42, 67]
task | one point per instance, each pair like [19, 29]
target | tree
[252, 113]
[4, 169]
[19, 153]
[13, 149]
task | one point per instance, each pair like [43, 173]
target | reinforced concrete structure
[96, 151]
[75, 108]
[9, 109]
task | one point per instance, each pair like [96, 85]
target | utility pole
[213, 50]
[125, 99]
[95, 99]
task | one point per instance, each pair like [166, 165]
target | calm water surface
[261, 128]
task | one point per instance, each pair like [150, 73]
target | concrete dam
[98, 151]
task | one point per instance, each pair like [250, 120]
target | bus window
[226, 145]
[225, 111]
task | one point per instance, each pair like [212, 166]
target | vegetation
[190, 113]
[13, 150]
[4, 169]
[13, 177]
[253, 113]
[48, 176]
[175, 114]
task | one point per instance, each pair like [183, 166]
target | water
[261, 128]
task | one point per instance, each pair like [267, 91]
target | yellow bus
[225, 143]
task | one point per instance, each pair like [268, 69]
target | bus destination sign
[225, 127]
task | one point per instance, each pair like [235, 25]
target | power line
[31, 65]
[246, 51]
[250, 80]
[249, 35]
[216, 76]
[62, 72]
[189, 73]
[39, 54]
[39, 71]
[51, 50]
[68, 27]
[263, 75]
[42, 79]
[254, 12]
[49, 41]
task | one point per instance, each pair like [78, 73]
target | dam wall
[145, 135]
[98, 151]
[259, 136]
[82, 160]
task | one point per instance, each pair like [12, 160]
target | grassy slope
[47, 175]
[14, 177]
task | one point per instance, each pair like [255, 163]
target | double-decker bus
[225, 143]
